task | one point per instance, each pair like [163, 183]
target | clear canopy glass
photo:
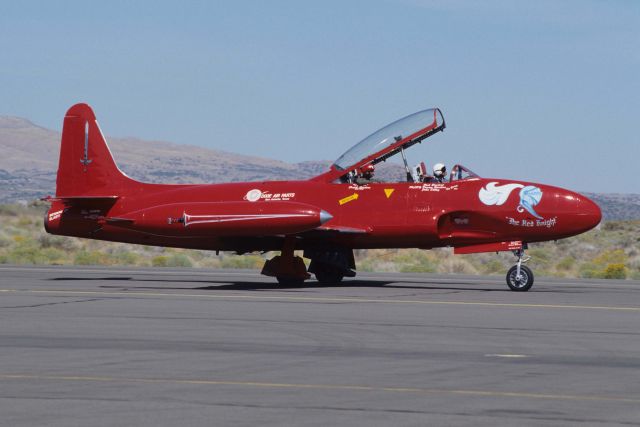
[389, 135]
[459, 172]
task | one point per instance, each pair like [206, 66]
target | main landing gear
[329, 265]
[520, 277]
[287, 268]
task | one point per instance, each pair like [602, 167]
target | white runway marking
[507, 356]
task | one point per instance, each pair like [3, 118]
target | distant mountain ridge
[29, 160]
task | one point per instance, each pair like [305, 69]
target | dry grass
[611, 251]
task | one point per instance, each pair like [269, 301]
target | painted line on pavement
[319, 299]
[298, 386]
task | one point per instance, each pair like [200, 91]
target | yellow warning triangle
[389, 191]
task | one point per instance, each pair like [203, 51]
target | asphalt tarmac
[165, 347]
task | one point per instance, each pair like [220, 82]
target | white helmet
[439, 170]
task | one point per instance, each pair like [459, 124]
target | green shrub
[589, 271]
[242, 261]
[126, 258]
[5, 241]
[615, 271]
[53, 256]
[160, 261]
[616, 256]
[179, 260]
[415, 261]
[9, 210]
[613, 225]
[543, 259]
[24, 221]
[566, 263]
[457, 265]
[61, 242]
[29, 253]
[613, 251]
[493, 266]
[172, 260]
[423, 266]
[85, 257]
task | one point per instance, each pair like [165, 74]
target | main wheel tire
[524, 283]
[329, 277]
[290, 281]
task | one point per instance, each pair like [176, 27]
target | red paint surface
[413, 215]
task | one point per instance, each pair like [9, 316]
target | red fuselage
[376, 215]
[327, 216]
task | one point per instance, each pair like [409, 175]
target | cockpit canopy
[459, 173]
[392, 138]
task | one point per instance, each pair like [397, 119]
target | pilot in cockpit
[439, 172]
[366, 175]
[420, 173]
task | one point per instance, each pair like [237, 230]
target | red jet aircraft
[327, 216]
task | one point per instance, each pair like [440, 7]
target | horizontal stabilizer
[71, 199]
[83, 201]
[116, 220]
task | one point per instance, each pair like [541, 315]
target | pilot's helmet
[367, 169]
[439, 170]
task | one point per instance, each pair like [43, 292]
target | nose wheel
[520, 277]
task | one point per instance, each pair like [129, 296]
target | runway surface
[165, 347]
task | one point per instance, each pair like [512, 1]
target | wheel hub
[519, 280]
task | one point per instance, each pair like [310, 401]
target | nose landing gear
[520, 277]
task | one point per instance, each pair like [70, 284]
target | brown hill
[29, 159]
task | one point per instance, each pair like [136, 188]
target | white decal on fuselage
[434, 187]
[547, 223]
[358, 187]
[255, 195]
[494, 194]
[55, 215]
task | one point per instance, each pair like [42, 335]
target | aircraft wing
[328, 231]
[343, 230]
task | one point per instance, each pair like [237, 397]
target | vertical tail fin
[86, 166]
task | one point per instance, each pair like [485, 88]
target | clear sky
[544, 90]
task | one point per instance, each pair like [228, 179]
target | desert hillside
[610, 251]
[29, 159]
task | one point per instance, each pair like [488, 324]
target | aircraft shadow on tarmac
[229, 285]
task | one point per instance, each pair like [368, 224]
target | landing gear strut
[331, 265]
[287, 268]
[520, 277]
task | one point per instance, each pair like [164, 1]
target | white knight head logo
[494, 194]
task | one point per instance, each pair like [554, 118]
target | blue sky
[547, 91]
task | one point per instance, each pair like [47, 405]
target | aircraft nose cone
[588, 213]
